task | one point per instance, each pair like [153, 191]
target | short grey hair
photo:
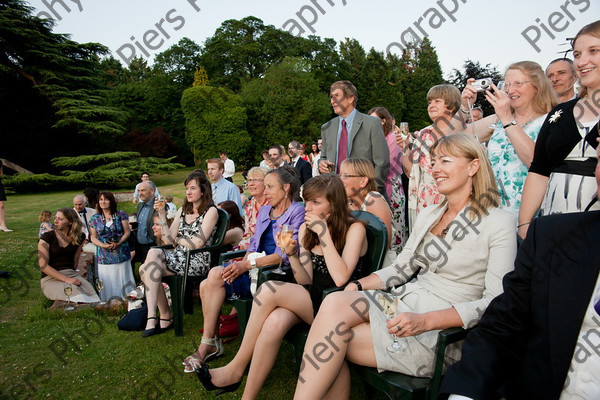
[149, 182]
[80, 197]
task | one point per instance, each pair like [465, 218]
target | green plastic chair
[181, 291]
[398, 386]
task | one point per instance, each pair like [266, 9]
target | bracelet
[523, 224]
[463, 111]
[357, 283]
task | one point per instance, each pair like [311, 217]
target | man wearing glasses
[353, 135]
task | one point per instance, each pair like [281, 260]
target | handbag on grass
[134, 320]
[228, 326]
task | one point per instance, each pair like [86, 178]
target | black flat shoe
[166, 328]
[152, 331]
[206, 380]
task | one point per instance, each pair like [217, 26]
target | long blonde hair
[484, 193]
[74, 235]
[592, 29]
[545, 99]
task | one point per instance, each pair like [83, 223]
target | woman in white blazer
[458, 253]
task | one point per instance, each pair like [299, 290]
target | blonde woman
[511, 132]
[460, 250]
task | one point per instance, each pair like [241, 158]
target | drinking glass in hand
[99, 287]
[286, 235]
[389, 304]
[68, 291]
[404, 129]
[160, 201]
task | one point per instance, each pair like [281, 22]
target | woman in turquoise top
[520, 110]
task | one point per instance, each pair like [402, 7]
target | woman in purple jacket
[281, 187]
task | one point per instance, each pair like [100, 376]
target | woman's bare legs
[340, 329]
[151, 273]
[2, 217]
[278, 306]
[212, 294]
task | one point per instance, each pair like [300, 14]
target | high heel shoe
[206, 380]
[152, 331]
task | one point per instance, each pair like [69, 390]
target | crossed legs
[151, 273]
[340, 331]
[277, 308]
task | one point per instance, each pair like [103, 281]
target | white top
[583, 378]
[229, 169]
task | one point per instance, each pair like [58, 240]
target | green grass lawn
[46, 354]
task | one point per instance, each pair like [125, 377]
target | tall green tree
[474, 69]
[180, 61]
[243, 50]
[424, 71]
[284, 105]
[55, 72]
[215, 120]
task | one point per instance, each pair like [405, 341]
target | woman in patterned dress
[256, 187]
[194, 226]
[109, 231]
[443, 102]
[393, 183]
[511, 132]
[561, 177]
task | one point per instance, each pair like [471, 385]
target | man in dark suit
[145, 219]
[302, 166]
[353, 135]
[540, 339]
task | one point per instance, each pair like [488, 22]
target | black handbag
[134, 320]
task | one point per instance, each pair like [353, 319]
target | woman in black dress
[330, 253]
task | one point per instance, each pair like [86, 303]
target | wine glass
[160, 200]
[68, 291]
[404, 129]
[286, 236]
[99, 286]
[389, 304]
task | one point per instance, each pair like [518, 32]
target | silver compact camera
[482, 84]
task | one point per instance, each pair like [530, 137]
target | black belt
[584, 168]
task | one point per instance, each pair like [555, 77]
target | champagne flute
[404, 129]
[68, 291]
[286, 234]
[389, 304]
[99, 286]
[160, 200]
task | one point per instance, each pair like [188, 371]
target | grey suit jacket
[366, 141]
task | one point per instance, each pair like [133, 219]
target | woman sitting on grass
[58, 254]
[331, 246]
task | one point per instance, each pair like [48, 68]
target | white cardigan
[465, 268]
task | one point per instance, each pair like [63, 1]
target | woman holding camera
[520, 110]
[109, 231]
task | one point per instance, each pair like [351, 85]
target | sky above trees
[484, 30]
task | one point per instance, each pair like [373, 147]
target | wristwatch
[511, 123]
[253, 263]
